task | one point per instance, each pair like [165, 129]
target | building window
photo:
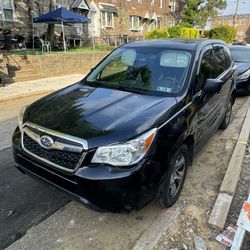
[161, 2]
[134, 23]
[107, 19]
[171, 23]
[157, 23]
[6, 10]
[172, 6]
[242, 22]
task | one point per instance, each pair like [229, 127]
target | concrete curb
[224, 199]
[155, 232]
[26, 95]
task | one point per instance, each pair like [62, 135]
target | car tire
[227, 116]
[175, 177]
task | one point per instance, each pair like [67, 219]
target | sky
[244, 7]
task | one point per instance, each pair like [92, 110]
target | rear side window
[227, 57]
[220, 60]
[208, 69]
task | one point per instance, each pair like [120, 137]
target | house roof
[108, 7]
[80, 4]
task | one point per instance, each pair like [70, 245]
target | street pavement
[23, 201]
[40, 86]
[25, 204]
[28, 207]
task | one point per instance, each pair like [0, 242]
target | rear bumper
[98, 187]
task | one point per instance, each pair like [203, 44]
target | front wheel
[176, 173]
[227, 117]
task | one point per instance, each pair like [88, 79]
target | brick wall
[145, 9]
[142, 9]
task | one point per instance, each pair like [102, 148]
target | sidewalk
[35, 87]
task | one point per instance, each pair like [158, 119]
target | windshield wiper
[97, 83]
[131, 89]
[115, 86]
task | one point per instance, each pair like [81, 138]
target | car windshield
[142, 69]
[240, 55]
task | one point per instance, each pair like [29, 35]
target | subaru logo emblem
[46, 141]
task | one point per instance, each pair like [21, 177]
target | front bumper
[243, 84]
[100, 187]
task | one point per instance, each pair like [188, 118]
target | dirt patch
[201, 188]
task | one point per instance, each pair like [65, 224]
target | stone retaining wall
[58, 65]
[33, 67]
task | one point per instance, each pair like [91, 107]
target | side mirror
[212, 86]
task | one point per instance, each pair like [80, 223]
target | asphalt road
[23, 201]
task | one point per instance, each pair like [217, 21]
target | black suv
[126, 133]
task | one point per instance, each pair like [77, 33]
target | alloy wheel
[177, 175]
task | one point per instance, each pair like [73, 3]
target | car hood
[242, 67]
[99, 115]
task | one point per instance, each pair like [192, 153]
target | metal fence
[111, 40]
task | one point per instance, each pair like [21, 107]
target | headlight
[20, 117]
[245, 75]
[125, 154]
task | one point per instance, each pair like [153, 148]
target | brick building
[110, 18]
[242, 24]
[130, 17]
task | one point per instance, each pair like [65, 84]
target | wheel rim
[228, 112]
[177, 175]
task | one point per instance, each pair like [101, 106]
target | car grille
[65, 159]
[66, 153]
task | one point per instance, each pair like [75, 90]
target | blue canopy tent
[61, 16]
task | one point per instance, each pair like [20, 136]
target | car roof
[239, 47]
[189, 44]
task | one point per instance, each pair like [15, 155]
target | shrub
[157, 33]
[225, 33]
[175, 31]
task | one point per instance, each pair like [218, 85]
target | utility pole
[236, 12]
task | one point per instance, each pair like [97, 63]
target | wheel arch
[189, 142]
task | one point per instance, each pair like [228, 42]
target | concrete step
[30, 71]
[26, 78]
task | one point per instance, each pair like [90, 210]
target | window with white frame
[157, 23]
[107, 19]
[172, 6]
[135, 23]
[171, 23]
[161, 3]
[6, 10]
